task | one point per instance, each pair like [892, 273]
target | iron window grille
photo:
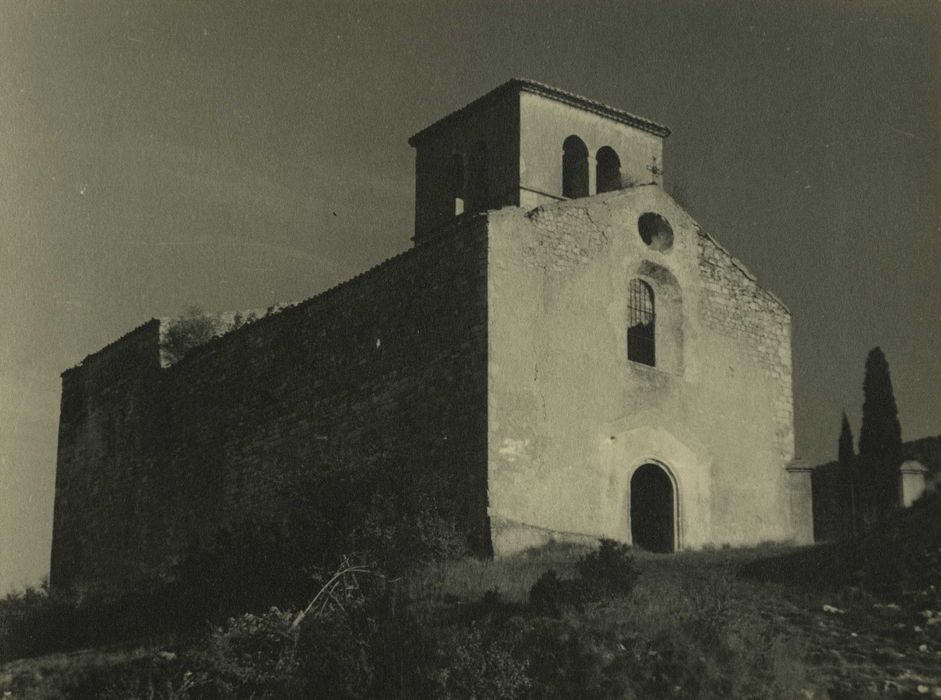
[641, 328]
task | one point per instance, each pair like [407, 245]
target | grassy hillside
[858, 621]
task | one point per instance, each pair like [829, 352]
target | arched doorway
[652, 509]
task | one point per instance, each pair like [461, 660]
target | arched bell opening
[574, 168]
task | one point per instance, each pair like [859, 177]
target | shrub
[193, 328]
[150, 678]
[334, 657]
[549, 594]
[603, 655]
[482, 666]
[403, 537]
[406, 659]
[347, 643]
[102, 675]
[250, 656]
[335, 632]
[568, 659]
[609, 570]
[605, 572]
[35, 621]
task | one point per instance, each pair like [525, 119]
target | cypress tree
[846, 458]
[880, 438]
[845, 452]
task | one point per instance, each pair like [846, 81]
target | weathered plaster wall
[571, 418]
[393, 361]
[544, 126]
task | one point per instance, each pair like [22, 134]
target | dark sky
[156, 155]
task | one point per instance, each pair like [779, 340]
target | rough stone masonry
[563, 342]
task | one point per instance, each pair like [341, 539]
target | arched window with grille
[607, 170]
[574, 168]
[641, 324]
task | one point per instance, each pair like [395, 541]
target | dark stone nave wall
[392, 362]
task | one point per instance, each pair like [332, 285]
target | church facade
[562, 341]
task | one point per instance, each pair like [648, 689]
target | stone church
[563, 341]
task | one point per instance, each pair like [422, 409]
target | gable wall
[571, 417]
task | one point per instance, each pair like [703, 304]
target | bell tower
[523, 144]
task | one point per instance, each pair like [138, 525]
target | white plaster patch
[511, 450]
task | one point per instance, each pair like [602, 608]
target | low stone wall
[828, 509]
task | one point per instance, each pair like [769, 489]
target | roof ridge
[112, 344]
[326, 296]
[554, 93]
[641, 122]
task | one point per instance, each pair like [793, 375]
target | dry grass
[469, 579]
[53, 663]
[694, 622]
[826, 641]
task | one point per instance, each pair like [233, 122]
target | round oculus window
[655, 231]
